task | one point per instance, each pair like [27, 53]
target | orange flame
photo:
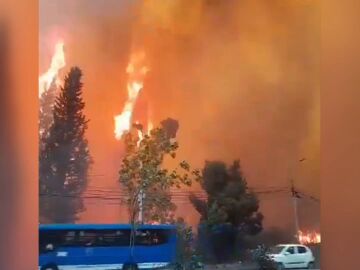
[150, 126]
[309, 237]
[141, 137]
[137, 71]
[140, 132]
[57, 63]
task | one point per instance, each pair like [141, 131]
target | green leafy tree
[231, 209]
[144, 178]
[65, 157]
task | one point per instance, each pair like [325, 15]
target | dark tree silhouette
[231, 209]
[65, 157]
[170, 127]
[47, 102]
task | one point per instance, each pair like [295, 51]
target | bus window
[115, 238]
[45, 239]
[69, 238]
[87, 238]
[55, 239]
[151, 237]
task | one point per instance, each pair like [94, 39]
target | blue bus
[106, 247]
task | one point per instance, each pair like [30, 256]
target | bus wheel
[130, 266]
[50, 267]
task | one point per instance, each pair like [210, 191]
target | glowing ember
[309, 237]
[57, 63]
[137, 71]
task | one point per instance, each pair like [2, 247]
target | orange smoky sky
[241, 77]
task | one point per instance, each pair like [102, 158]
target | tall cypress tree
[47, 101]
[46, 108]
[65, 157]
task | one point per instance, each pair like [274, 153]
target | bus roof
[102, 226]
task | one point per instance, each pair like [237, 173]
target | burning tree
[65, 157]
[47, 100]
[145, 180]
[230, 211]
[49, 83]
[51, 76]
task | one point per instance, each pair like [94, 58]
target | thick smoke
[242, 79]
[240, 76]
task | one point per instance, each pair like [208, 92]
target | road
[245, 266]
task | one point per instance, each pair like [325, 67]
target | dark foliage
[65, 157]
[231, 210]
[170, 126]
[47, 101]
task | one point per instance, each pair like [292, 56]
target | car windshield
[276, 249]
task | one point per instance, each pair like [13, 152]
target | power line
[309, 197]
[122, 195]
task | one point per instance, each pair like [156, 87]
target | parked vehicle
[290, 256]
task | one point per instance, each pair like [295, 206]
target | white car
[291, 256]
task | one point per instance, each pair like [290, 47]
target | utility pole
[295, 196]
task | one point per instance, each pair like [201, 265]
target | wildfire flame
[140, 132]
[57, 63]
[309, 237]
[150, 126]
[141, 137]
[137, 71]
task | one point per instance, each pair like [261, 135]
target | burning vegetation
[309, 237]
[216, 78]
